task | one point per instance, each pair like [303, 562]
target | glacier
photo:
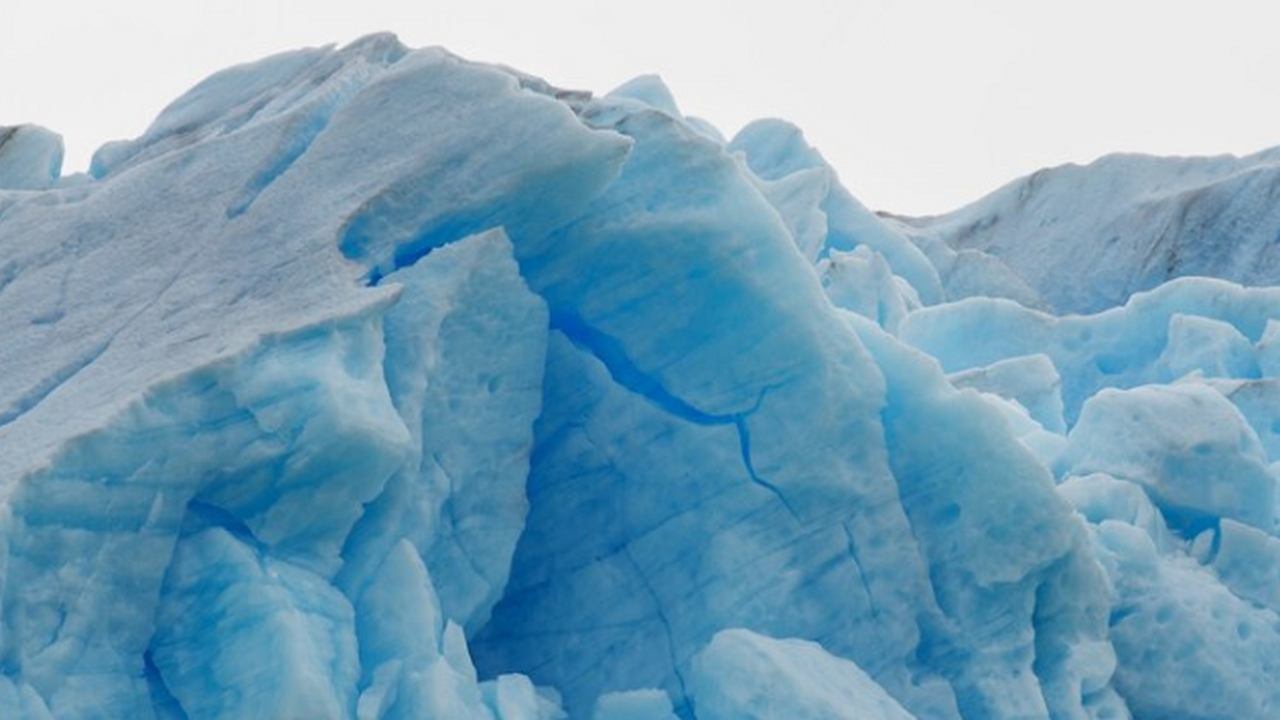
[373, 383]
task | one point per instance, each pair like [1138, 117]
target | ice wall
[375, 383]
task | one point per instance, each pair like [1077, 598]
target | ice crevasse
[375, 383]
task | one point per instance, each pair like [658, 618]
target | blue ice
[372, 383]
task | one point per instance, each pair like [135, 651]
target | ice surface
[634, 705]
[744, 676]
[372, 383]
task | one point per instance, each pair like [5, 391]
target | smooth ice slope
[371, 383]
[1123, 224]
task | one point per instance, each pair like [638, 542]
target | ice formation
[1144, 220]
[374, 383]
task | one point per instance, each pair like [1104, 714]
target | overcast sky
[920, 106]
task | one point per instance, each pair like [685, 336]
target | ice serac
[91, 543]
[1194, 630]
[686, 481]
[1032, 381]
[225, 404]
[862, 282]
[1121, 347]
[416, 664]
[797, 180]
[465, 354]
[1207, 347]
[1027, 615]
[1187, 445]
[672, 492]
[292, 656]
[30, 158]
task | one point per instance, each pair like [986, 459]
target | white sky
[921, 106]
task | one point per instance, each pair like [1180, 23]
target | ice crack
[610, 352]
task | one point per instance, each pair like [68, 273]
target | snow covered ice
[372, 383]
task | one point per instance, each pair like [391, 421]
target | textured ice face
[204, 446]
[1187, 445]
[1087, 238]
[1120, 347]
[373, 383]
